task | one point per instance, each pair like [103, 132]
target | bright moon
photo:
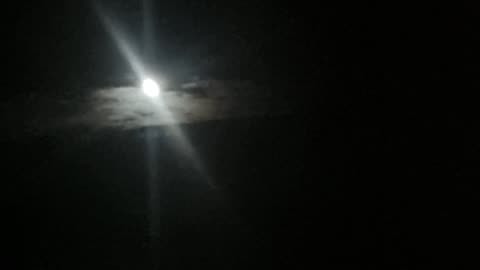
[150, 88]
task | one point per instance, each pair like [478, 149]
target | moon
[150, 88]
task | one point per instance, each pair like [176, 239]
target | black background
[377, 167]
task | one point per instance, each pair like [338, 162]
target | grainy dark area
[376, 167]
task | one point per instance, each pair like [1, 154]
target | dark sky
[58, 42]
[53, 42]
[388, 109]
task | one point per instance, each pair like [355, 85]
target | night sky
[375, 168]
